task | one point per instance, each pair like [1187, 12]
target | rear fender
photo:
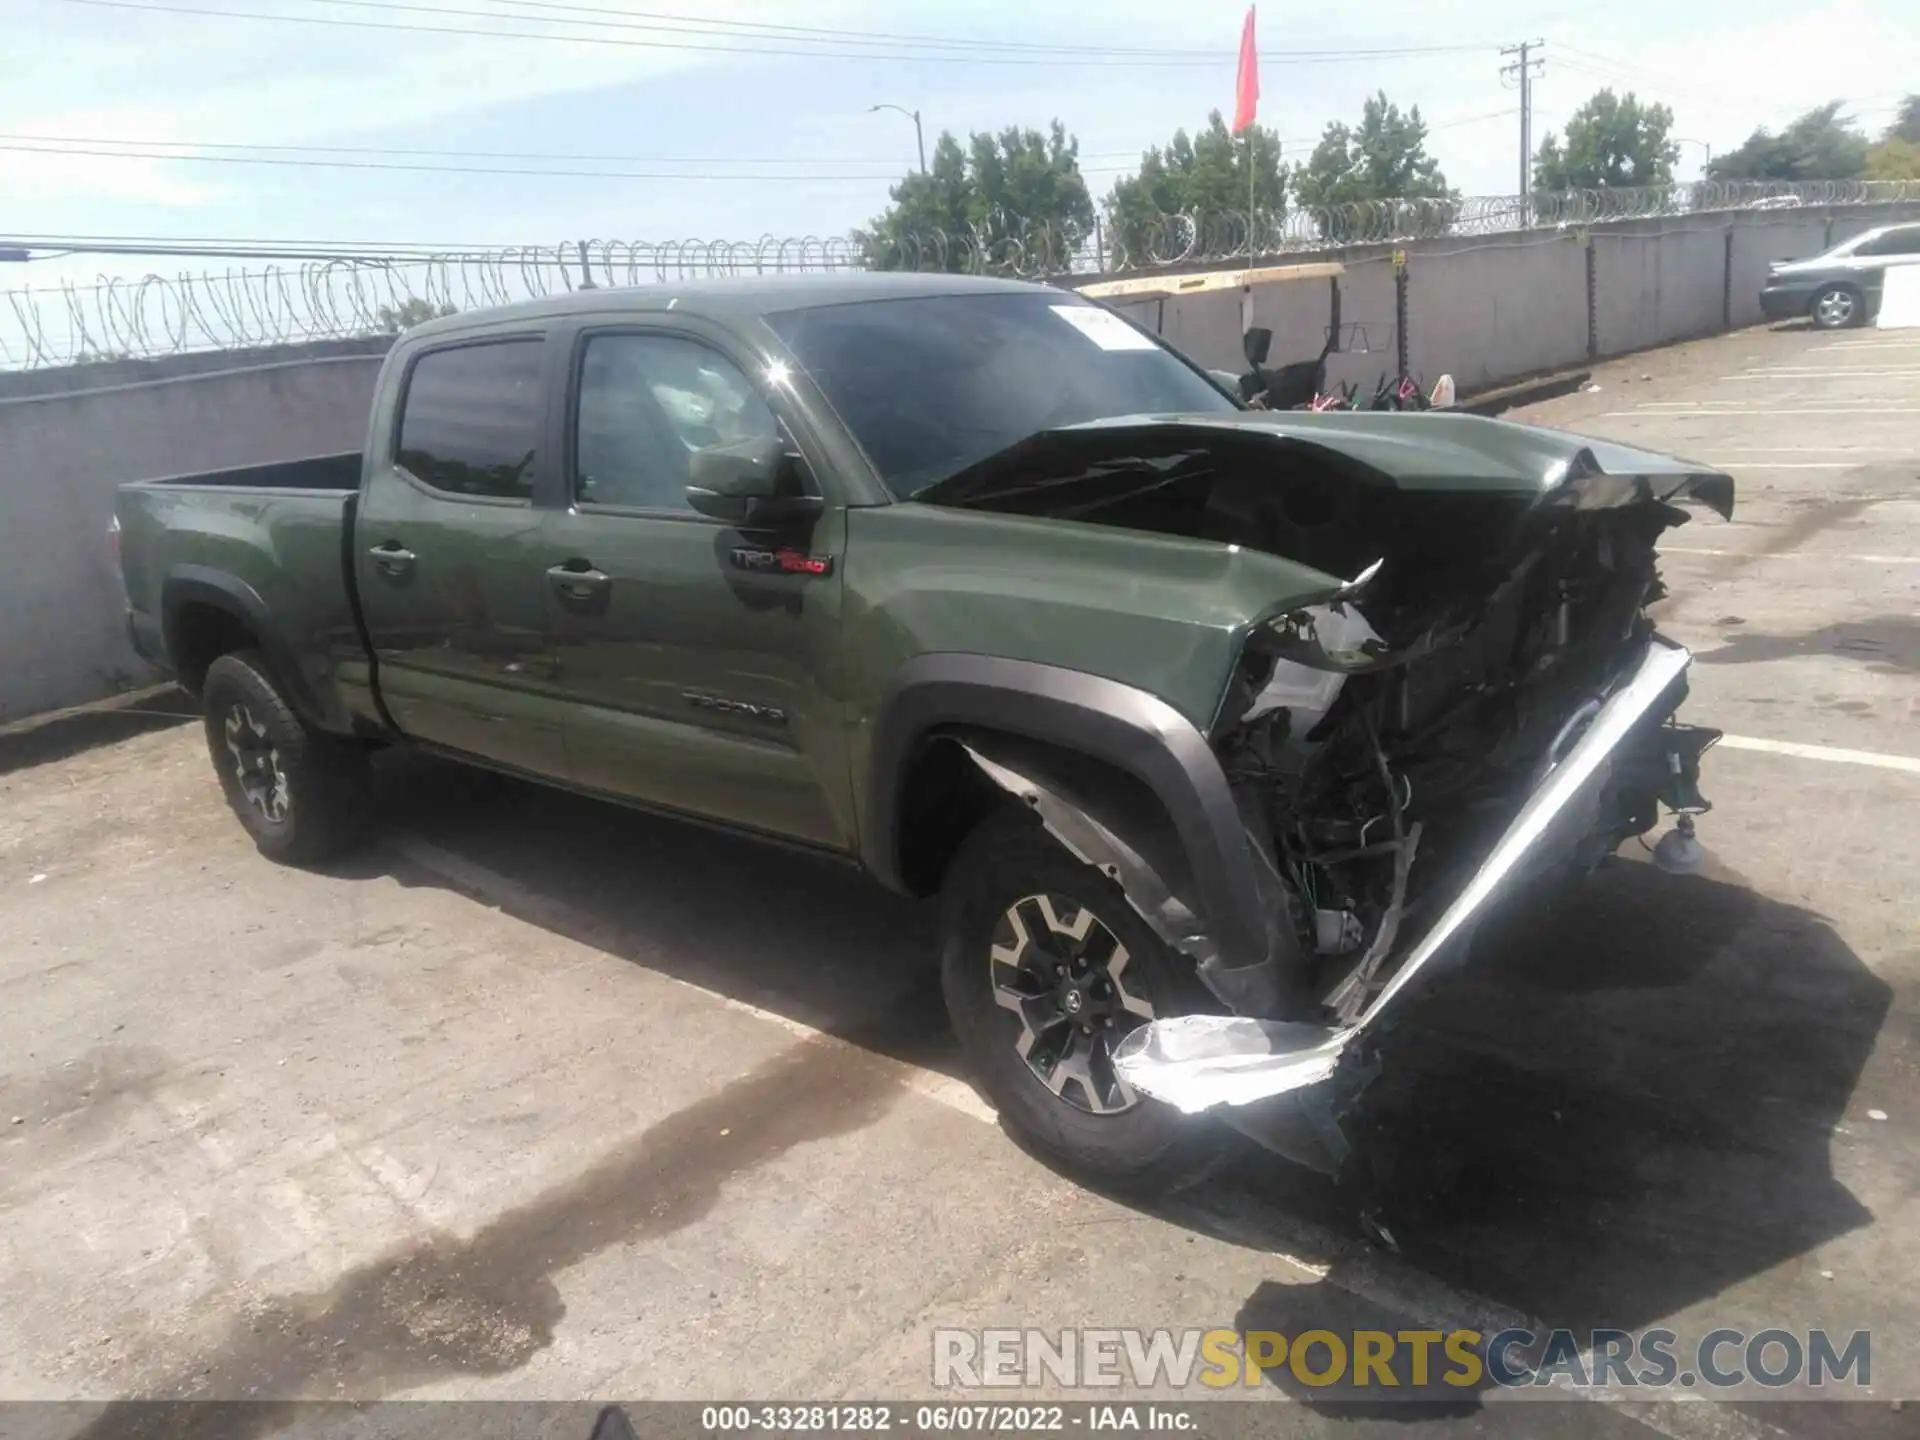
[188, 585]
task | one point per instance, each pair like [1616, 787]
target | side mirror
[1255, 345]
[756, 484]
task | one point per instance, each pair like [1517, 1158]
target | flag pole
[1251, 181]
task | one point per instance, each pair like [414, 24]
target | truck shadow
[44, 740]
[1623, 1106]
[1887, 644]
[791, 932]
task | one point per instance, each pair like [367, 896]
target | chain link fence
[345, 296]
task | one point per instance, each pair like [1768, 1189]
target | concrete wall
[1499, 308]
[1652, 284]
[62, 456]
[1369, 331]
[1486, 313]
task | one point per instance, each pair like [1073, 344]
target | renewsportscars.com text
[1392, 1359]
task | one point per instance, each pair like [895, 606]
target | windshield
[931, 385]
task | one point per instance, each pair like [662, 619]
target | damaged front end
[1485, 707]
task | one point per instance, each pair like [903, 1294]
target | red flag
[1246, 88]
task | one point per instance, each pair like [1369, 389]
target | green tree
[1611, 142]
[1896, 155]
[1198, 175]
[392, 319]
[1817, 146]
[1893, 159]
[1384, 158]
[1019, 185]
[1907, 127]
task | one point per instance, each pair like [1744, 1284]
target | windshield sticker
[1103, 327]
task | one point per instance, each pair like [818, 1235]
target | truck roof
[734, 297]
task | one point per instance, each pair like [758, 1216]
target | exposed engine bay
[1378, 761]
[1391, 743]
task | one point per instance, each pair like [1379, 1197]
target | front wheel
[1045, 967]
[301, 794]
[1837, 307]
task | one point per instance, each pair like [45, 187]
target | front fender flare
[1242, 955]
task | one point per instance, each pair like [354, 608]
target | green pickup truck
[1208, 726]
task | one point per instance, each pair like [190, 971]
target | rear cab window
[471, 417]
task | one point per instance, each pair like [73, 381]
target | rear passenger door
[700, 677]
[449, 554]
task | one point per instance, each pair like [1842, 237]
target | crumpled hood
[1412, 451]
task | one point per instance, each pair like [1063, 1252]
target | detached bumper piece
[1198, 1062]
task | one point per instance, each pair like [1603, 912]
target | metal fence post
[1593, 297]
[1726, 286]
[1400, 308]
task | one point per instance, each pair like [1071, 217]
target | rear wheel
[1045, 967]
[1836, 307]
[301, 794]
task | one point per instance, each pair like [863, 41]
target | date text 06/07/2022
[964, 1418]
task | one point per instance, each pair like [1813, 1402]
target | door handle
[393, 558]
[578, 580]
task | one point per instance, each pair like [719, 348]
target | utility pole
[1524, 67]
[1705, 160]
[919, 136]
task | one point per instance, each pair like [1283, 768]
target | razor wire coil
[347, 297]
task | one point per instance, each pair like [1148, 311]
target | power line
[142, 145]
[398, 252]
[1606, 67]
[1150, 60]
[669, 23]
[529, 155]
[310, 162]
[539, 164]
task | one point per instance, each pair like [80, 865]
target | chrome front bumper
[1197, 1062]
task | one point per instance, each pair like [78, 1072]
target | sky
[791, 139]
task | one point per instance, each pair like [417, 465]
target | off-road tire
[321, 781]
[1147, 1149]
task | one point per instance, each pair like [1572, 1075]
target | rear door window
[1900, 242]
[470, 422]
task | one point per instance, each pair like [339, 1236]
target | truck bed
[263, 545]
[316, 472]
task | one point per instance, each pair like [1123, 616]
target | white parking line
[510, 894]
[1793, 555]
[1905, 763]
[1821, 372]
[1865, 404]
[1690, 411]
[1789, 464]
